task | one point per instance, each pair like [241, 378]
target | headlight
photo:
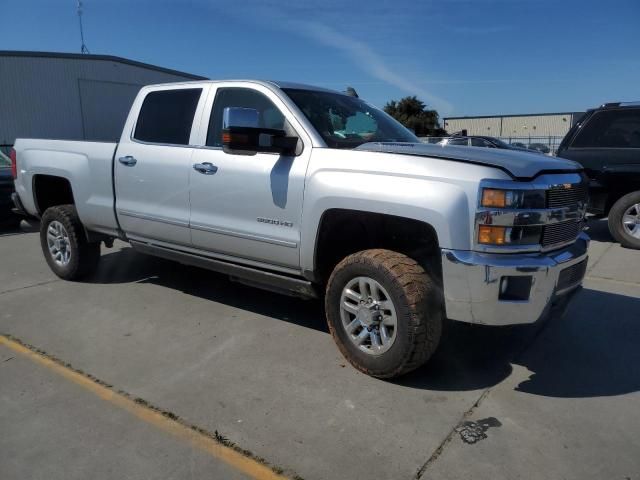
[517, 199]
[497, 198]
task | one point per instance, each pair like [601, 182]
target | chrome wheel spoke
[389, 320]
[351, 295]
[349, 307]
[375, 291]
[58, 243]
[360, 339]
[368, 315]
[375, 341]
[384, 334]
[363, 286]
[353, 326]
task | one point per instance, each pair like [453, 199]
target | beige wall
[513, 126]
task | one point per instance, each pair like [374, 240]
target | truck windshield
[347, 122]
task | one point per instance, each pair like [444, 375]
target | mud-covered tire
[417, 299]
[616, 222]
[83, 255]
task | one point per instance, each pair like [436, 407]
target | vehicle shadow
[598, 230]
[16, 226]
[591, 351]
[128, 266]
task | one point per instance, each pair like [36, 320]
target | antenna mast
[83, 47]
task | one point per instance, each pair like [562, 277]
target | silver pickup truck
[315, 193]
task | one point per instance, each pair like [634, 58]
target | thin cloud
[368, 60]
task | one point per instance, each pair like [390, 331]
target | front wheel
[384, 312]
[64, 244]
[624, 220]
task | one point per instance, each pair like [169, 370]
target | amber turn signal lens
[492, 197]
[490, 235]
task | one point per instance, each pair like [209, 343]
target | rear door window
[166, 116]
[611, 129]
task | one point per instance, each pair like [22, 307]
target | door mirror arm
[251, 140]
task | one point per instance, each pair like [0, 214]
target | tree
[413, 114]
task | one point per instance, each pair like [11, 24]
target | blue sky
[463, 57]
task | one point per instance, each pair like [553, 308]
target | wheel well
[343, 232]
[50, 191]
[615, 195]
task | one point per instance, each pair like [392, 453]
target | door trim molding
[246, 236]
[152, 218]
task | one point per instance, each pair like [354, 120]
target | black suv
[606, 141]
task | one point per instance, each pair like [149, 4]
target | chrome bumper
[472, 283]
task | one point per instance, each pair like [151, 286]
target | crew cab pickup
[316, 193]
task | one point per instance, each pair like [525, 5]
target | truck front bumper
[506, 289]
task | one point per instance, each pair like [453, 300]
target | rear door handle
[129, 161]
[205, 168]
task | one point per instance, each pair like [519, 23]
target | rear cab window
[619, 128]
[166, 116]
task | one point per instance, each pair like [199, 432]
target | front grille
[566, 196]
[572, 275]
[559, 233]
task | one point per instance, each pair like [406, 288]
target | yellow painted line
[246, 465]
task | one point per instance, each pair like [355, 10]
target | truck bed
[88, 166]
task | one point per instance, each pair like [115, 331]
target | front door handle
[205, 168]
[129, 161]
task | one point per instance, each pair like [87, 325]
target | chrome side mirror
[240, 117]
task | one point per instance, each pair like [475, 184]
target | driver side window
[268, 114]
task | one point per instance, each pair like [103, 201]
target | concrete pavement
[557, 399]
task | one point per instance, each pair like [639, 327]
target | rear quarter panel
[86, 165]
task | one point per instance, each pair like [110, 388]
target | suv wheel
[384, 312]
[65, 245]
[624, 220]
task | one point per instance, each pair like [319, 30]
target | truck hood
[521, 165]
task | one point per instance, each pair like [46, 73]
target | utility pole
[83, 47]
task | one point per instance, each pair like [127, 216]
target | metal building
[515, 126]
[71, 96]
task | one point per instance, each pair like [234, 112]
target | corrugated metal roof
[89, 56]
[466, 117]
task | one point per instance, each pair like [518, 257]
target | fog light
[492, 235]
[515, 288]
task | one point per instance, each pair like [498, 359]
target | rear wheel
[65, 245]
[624, 220]
[384, 312]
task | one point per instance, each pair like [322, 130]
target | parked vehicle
[7, 217]
[314, 193]
[478, 141]
[539, 147]
[607, 143]
[519, 145]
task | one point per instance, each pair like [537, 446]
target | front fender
[444, 206]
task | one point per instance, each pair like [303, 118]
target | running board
[253, 277]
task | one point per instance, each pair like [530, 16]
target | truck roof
[275, 83]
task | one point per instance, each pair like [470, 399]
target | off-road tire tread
[88, 253]
[423, 306]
